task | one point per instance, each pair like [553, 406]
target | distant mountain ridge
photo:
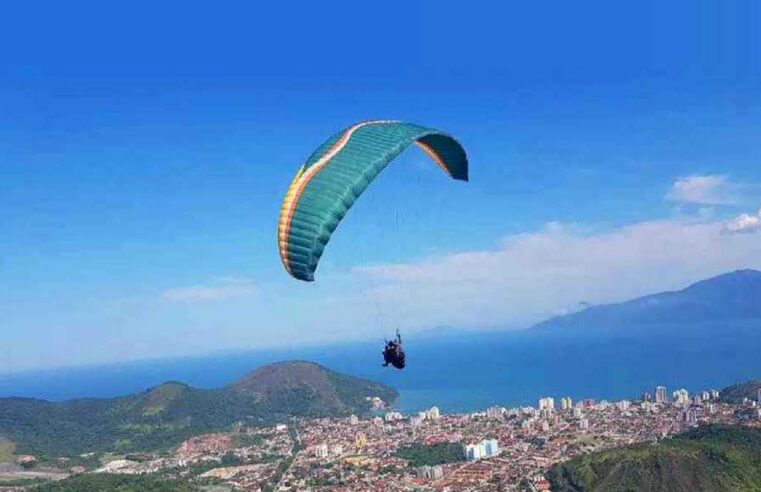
[168, 413]
[731, 296]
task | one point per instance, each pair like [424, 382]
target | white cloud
[744, 223]
[713, 189]
[221, 289]
[535, 275]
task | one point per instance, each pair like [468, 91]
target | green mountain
[163, 416]
[710, 459]
[120, 483]
[736, 392]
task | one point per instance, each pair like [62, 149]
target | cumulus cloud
[220, 289]
[529, 277]
[744, 223]
[713, 189]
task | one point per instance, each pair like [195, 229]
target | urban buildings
[660, 394]
[681, 397]
[321, 451]
[547, 403]
[484, 449]
[343, 454]
[430, 472]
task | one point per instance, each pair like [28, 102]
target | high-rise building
[353, 420]
[584, 424]
[577, 413]
[473, 452]
[660, 394]
[321, 451]
[484, 449]
[433, 413]
[623, 405]
[491, 446]
[681, 397]
[547, 403]
[566, 403]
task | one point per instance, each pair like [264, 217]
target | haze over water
[459, 374]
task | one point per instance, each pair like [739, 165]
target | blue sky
[144, 152]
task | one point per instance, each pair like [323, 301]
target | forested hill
[712, 458]
[169, 413]
[737, 392]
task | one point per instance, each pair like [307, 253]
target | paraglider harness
[393, 353]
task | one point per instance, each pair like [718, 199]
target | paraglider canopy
[332, 179]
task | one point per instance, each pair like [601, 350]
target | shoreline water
[505, 370]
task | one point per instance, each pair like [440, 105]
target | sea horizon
[432, 378]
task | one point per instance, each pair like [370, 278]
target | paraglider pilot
[393, 353]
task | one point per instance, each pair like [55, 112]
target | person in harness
[394, 353]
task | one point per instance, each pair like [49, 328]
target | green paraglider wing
[338, 172]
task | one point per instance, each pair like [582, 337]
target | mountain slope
[304, 388]
[737, 392]
[728, 297]
[165, 415]
[715, 459]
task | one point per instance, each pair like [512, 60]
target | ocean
[457, 373]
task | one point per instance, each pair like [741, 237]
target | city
[498, 449]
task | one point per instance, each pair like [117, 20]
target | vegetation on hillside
[711, 458]
[434, 454]
[18, 483]
[736, 392]
[164, 416]
[116, 483]
[6, 450]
